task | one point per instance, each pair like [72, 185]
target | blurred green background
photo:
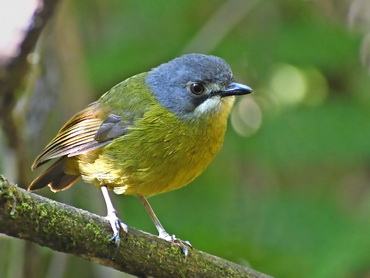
[288, 195]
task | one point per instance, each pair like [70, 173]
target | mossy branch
[67, 229]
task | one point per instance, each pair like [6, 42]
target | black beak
[236, 89]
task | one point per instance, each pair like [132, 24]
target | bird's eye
[196, 88]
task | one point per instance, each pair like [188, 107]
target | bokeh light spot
[318, 88]
[288, 84]
[246, 118]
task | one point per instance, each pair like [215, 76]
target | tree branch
[67, 229]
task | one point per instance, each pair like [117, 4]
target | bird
[152, 133]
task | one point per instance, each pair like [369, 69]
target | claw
[116, 225]
[180, 243]
[183, 247]
[114, 221]
[162, 232]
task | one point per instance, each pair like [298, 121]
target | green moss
[5, 193]
[22, 207]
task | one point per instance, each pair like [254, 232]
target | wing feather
[82, 133]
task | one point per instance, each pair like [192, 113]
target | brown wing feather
[76, 136]
[55, 177]
[88, 130]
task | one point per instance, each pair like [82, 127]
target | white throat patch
[210, 105]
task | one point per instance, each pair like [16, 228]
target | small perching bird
[152, 133]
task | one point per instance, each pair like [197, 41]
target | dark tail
[55, 177]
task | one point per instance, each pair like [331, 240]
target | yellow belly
[161, 153]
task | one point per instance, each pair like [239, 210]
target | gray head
[193, 84]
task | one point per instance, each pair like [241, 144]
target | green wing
[100, 122]
[92, 128]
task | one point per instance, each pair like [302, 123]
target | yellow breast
[161, 152]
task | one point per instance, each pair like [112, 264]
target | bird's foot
[116, 225]
[180, 243]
